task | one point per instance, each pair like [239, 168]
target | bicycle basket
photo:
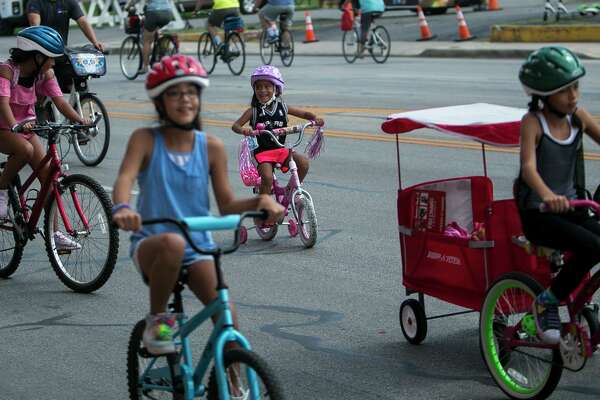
[133, 24]
[233, 23]
[87, 61]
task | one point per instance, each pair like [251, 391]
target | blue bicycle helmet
[43, 39]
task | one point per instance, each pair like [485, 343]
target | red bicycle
[80, 240]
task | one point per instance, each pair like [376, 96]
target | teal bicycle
[173, 376]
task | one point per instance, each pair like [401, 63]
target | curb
[545, 33]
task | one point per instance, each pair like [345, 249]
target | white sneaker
[3, 204]
[62, 242]
[158, 334]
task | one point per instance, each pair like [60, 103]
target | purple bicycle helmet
[268, 73]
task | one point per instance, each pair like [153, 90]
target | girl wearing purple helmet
[268, 108]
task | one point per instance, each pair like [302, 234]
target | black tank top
[274, 116]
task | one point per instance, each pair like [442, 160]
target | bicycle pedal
[63, 251]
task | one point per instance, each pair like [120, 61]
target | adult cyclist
[221, 9]
[269, 13]
[370, 9]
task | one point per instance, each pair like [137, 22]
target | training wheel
[413, 321]
[243, 234]
[293, 228]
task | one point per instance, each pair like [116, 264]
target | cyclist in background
[269, 13]
[57, 14]
[157, 13]
[27, 74]
[220, 10]
[370, 9]
[551, 135]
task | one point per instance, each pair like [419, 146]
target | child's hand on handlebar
[247, 131]
[319, 121]
[556, 204]
[27, 126]
[274, 209]
[127, 220]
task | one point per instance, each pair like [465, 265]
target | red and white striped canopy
[481, 122]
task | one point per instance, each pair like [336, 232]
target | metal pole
[398, 162]
[484, 160]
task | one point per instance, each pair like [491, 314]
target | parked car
[246, 6]
[429, 6]
[12, 15]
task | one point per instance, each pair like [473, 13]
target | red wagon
[455, 238]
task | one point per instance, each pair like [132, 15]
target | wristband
[12, 128]
[119, 206]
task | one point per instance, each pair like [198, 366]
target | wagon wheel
[413, 321]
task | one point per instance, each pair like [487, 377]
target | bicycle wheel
[206, 52]
[86, 262]
[156, 370]
[167, 46]
[265, 48]
[307, 220]
[239, 363]
[380, 44]
[350, 45]
[286, 47]
[525, 371]
[11, 243]
[130, 57]
[91, 146]
[235, 54]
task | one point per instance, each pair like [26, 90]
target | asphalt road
[326, 318]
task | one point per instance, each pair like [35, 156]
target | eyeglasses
[179, 94]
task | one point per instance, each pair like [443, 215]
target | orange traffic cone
[493, 5]
[425, 32]
[310, 32]
[463, 29]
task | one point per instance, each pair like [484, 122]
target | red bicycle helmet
[172, 70]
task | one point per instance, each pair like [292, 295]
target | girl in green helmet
[551, 136]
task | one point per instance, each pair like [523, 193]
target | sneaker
[63, 242]
[158, 335]
[547, 319]
[82, 138]
[235, 382]
[244, 395]
[361, 51]
[3, 204]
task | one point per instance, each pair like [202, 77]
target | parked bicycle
[520, 363]
[90, 145]
[81, 243]
[293, 196]
[282, 44]
[231, 50]
[557, 9]
[130, 56]
[173, 375]
[378, 43]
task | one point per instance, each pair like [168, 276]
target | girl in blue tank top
[173, 164]
[551, 136]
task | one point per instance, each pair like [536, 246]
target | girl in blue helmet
[551, 136]
[268, 108]
[25, 76]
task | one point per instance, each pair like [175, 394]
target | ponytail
[534, 104]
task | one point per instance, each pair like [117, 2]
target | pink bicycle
[81, 242]
[303, 218]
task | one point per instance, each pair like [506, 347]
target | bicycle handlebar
[576, 204]
[260, 129]
[201, 224]
[50, 126]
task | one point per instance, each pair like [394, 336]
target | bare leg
[302, 164]
[148, 38]
[20, 152]
[266, 177]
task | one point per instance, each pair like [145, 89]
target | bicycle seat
[376, 15]
[555, 257]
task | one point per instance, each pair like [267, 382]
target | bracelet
[119, 206]
[12, 128]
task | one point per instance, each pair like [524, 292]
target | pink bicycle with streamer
[293, 197]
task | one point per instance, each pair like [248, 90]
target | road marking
[453, 144]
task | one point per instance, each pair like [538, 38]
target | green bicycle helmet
[549, 70]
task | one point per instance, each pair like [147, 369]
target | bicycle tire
[167, 46]
[269, 386]
[307, 220]
[265, 48]
[350, 41]
[380, 50]
[103, 235]
[129, 52]
[138, 361]
[206, 52]
[9, 237]
[236, 50]
[526, 372]
[286, 47]
[92, 152]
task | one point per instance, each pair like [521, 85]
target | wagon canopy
[481, 122]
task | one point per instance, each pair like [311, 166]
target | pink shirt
[22, 99]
